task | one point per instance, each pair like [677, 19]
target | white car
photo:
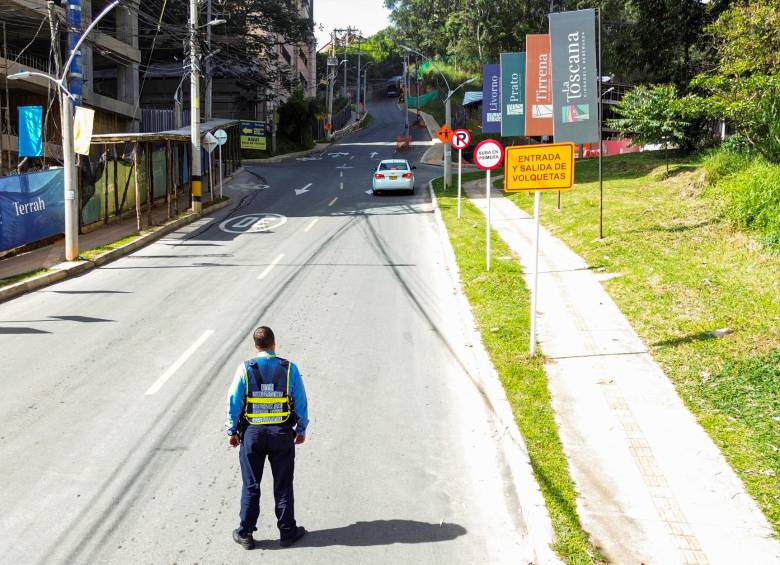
[393, 174]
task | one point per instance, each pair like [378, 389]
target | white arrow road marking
[311, 224]
[351, 157]
[158, 384]
[299, 191]
[341, 186]
[338, 154]
[308, 158]
[270, 267]
[369, 192]
[249, 186]
[373, 154]
[344, 167]
[341, 174]
[332, 202]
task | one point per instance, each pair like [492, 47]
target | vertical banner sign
[491, 99]
[30, 131]
[575, 87]
[512, 94]
[538, 86]
[82, 130]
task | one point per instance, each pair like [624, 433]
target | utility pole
[197, 189]
[406, 94]
[74, 85]
[346, 64]
[331, 79]
[208, 63]
[357, 90]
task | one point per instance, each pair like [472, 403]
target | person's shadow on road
[376, 532]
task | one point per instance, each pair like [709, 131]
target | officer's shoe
[247, 542]
[299, 533]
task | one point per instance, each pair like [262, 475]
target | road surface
[112, 446]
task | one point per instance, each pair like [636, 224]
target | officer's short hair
[264, 337]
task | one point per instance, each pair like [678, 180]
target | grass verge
[499, 301]
[686, 272]
[92, 254]
[8, 281]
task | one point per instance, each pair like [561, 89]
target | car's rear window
[393, 166]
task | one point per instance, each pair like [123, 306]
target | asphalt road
[112, 446]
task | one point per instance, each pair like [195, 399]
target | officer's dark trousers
[278, 445]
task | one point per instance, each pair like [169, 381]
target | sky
[369, 16]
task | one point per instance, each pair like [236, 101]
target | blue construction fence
[32, 207]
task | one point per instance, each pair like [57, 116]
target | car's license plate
[393, 178]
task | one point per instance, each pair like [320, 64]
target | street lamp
[365, 90]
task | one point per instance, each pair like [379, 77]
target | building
[27, 45]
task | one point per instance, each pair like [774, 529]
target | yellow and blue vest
[268, 399]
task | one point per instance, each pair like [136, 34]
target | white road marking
[343, 167]
[158, 384]
[299, 191]
[373, 154]
[369, 192]
[252, 223]
[270, 267]
[332, 202]
[341, 174]
[311, 224]
[341, 186]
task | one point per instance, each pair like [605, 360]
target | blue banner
[30, 131]
[491, 99]
[32, 207]
[512, 94]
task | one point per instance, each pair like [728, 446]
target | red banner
[538, 86]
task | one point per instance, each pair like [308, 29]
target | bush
[751, 195]
[732, 156]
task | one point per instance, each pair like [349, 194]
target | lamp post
[68, 154]
[365, 90]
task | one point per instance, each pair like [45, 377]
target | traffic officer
[267, 416]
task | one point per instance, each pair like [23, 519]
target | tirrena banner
[575, 86]
[538, 86]
[491, 99]
[512, 94]
[31, 207]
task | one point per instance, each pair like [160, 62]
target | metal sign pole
[220, 172]
[487, 237]
[535, 287]
[460, 152]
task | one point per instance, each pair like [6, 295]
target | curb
[71, 269]
[532, 505]
[318, 148]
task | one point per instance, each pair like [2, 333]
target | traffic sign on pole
[221, 136]
[210, 142]
[488, 155]
[460, 140]
[539, 168]
[444, 134]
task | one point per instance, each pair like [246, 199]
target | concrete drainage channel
[72, 269]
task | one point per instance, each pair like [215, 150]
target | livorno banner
[538, 86]
[512, 94]
[491, 99]
[575, 86]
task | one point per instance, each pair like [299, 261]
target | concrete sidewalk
[653, 488]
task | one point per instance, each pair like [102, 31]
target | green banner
[512, 94]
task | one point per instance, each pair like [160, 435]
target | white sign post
[460, 140]
[221, 136]
[488, 155]
[210, 143]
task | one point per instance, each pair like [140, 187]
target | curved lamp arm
[84, 35]
[25, 74]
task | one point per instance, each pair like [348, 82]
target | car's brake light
[407, 175]
[379, 176]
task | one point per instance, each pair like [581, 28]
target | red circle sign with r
[460, 139]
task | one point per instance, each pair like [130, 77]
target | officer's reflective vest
[267, 396]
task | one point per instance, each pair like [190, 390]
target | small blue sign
[491, 99]
[30, 131]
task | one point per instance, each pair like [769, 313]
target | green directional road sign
[253, 135]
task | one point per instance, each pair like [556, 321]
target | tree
[744, 87]
[652, 115]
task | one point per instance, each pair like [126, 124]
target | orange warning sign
[444, 134]
[328, 127]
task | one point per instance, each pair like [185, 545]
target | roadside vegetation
[699, 279]
[496, 298]
[8, 281]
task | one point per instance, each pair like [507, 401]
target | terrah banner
[538, 86]
[512, 94]
[575, 86]
[32, 207]
[491, 99]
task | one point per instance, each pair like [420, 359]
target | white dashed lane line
[268, 269]
[311, 225]
[332, 202]
[158, 384]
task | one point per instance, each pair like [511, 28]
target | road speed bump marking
[253, 223]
